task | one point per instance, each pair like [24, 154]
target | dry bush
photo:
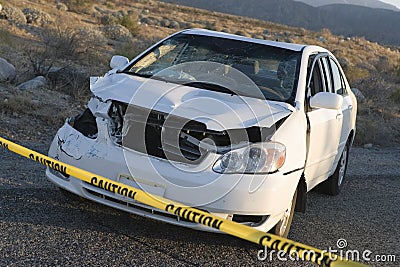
[18, 104]
[5, 37]
[80, 6]
[354, 74]
[70, 80]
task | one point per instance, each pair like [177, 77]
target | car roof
[289, 46]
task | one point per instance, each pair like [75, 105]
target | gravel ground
[40, 226]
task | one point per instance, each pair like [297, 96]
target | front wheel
[333, 185]
[283, 226]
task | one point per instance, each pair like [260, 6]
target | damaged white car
[238, 127]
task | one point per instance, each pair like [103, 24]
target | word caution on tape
[320, 257]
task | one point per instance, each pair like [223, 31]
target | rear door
[324, 125]
[339, 87]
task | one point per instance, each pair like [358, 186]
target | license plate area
[147, 186]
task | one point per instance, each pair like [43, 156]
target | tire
[283, 226]
[334, 184]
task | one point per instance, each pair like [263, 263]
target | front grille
[137, 206]
[159, 134]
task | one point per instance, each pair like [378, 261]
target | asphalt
[41, 226]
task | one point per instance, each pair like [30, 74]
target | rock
[321, 39]
[108, 20]
[359, 95]
[33, 84]
[7, 71]
[368, 145]
[62, 7]
[343, 62]
[117, 32]
[165, 23]
[174, 24]
[12, 14]
[36, 16]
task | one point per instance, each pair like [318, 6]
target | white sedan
[238, 127]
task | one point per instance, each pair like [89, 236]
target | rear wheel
[283, 226]
[334, 184]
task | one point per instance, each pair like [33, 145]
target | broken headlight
[265, 157]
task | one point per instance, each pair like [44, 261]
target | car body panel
[189, 102]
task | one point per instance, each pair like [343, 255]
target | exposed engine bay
[167, 136]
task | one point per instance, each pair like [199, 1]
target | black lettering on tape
[217, 224]
[4, 145]
[169, 207]
[195, 214]
[326, 261]
[189, 212]
[176, 212]
[266, 238]
[49, 163]
[275, 245]
[207, 221]
[114, 188]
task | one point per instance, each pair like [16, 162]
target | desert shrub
[354, 74]
[12, 14]
[395, 96]
[131, 22]
[80, 6]
[60, 46]
[70, 80]
[133, 48]
[5, 37]
[108, 20]
[36, 16]
[17, 103]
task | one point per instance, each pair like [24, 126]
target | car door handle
[339, 116]
[350, 107]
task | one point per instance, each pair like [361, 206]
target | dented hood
[219, 111]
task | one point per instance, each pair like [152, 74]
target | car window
[273, 70]
[338, 81]
[315, 84]
[327, 74]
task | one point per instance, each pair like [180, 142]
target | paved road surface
[40, 226]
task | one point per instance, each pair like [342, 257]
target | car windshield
[213, 63]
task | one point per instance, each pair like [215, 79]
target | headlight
[257, 158]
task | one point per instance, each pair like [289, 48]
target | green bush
[395, 96]
[130, 22]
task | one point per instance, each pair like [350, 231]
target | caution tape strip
[271, 241]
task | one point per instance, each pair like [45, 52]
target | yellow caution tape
[320, 257]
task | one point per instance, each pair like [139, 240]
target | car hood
[218, 111]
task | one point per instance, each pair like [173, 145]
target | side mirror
[326, 100]
[118, 62]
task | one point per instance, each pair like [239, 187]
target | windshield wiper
[211, 87]
[150, 76]
[136, 74]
